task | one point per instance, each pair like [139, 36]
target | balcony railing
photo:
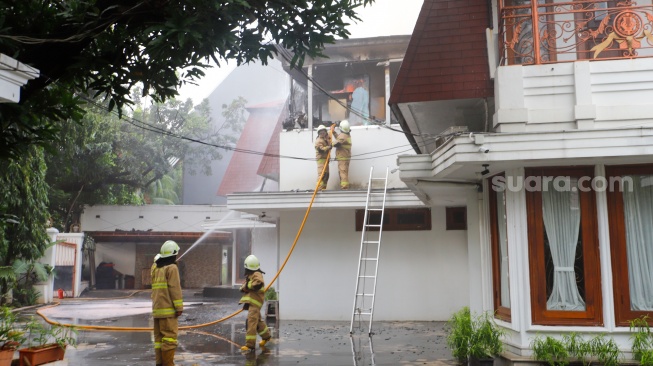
[574, 30]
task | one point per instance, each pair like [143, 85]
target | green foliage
[642, 338]
[105, 48]
[10, 336]
[459, 328]
[550, 350]
[572, 346]
[23, 205]
[27, 274]
[473, 336]
[39, 334]
[271, 294]
[577, 347]
[605, 350]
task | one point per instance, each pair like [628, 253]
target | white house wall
[186, 218]
[371, 146]
[423, 275]
[574, 95]
[265, 247]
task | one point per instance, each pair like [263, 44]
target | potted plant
[46, 343]
[10, 337]
[459, 328]
[642, 341]
[550, 350]
[605, 350]
[474, 339]
[485, 342]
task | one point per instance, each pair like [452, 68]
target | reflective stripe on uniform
[263, 331]
[157, 345]
[159, 285]
[164, 311]
[249, 337]
[169, 340]
[247, 299]
[177, 303]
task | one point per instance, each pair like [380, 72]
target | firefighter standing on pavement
[254, 289]
[322, 151]
[343, 152]
[167, 303]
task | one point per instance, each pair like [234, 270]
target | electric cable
[85, 327]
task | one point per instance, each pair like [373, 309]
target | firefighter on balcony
[322, 151]
[343, 152]
[167, 303]
[254, 289]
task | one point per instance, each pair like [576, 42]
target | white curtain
[503, 249]
[561, 212]
[638, 216]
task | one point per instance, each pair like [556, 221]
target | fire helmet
[344, 126]
[252, 263]
[169, 249]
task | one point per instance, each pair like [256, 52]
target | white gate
[65, 265]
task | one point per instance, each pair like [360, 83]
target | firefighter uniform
[254, 289]
[322, 151]
[343, 157]
[167, 304]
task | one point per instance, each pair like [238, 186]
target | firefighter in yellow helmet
[322, 151]
[254, 289]
[167, 303]
[343, 152]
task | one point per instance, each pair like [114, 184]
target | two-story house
[552, 101]
[423, 256]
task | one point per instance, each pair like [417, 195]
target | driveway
[297, 342]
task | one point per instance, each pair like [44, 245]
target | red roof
[269, 167]
[241, 174]
[447, 54]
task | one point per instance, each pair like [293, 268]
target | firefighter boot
[245, 349]
[263, 342]
[168, 357]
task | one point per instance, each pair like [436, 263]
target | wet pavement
[297, 342]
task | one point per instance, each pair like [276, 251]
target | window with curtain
[563, 246]
[499, 242]
[630, 207]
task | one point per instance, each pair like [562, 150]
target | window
[630, 208]
[397, 219]
[563, 246]
[456, 218]
[499, 242]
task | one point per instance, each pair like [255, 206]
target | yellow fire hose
[186, 327]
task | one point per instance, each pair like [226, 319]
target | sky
[383, 18]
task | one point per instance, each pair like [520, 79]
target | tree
[129, 160]
[106, 47]
[23, 208]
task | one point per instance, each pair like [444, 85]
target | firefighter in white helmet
[254, 289]
[322, 151]
[343, 152]
[167, 303]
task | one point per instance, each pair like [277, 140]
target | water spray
[206, 234]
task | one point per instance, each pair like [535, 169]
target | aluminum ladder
[368, 260]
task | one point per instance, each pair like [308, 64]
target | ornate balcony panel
[574, 30]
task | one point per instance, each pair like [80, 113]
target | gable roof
[241, 174]
[447, 55]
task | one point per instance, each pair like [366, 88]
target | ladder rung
[378, 178]
[369, 259]
[374, 209]
[366, 276]
[364, 294]
[368, 225]
[371, 242]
